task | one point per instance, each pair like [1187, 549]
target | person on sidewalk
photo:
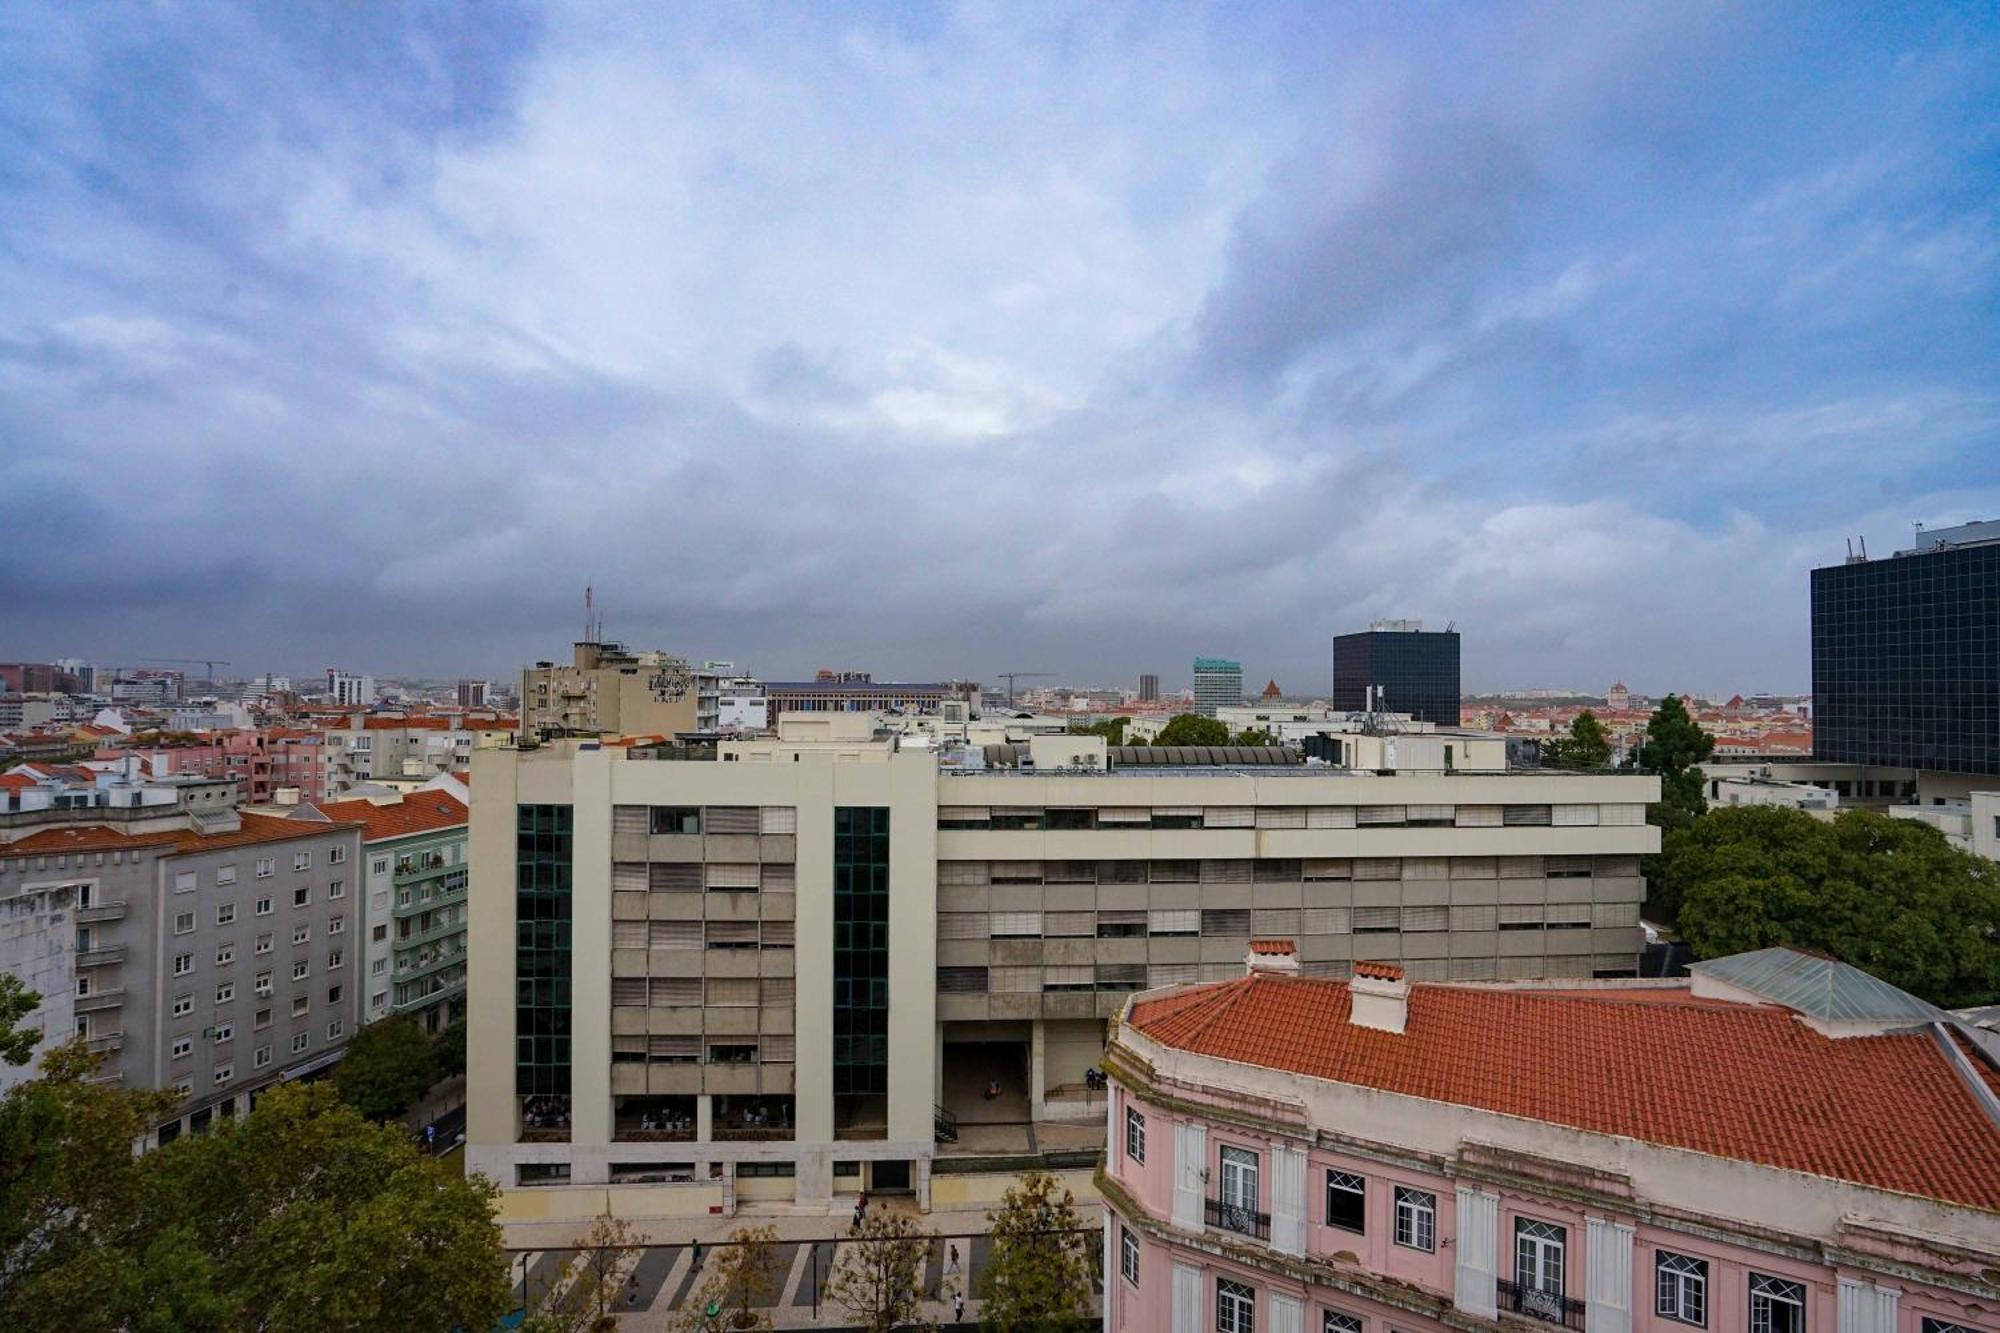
[958, 1306]
[860, 1209]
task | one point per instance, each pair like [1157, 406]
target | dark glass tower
[1417, 670]
[542, 950]
[860, 962]
[1906, 656]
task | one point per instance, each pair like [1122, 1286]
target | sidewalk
[793, 1226]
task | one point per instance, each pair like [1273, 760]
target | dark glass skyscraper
[1906, 656]
[1417, 670]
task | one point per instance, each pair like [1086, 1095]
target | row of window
[186, 881]
[687, 1049]
[703, 934]
[1055, 818]
[1284, 870]
[225, 913]
[717, 819]
[677, 992]
[1282, 922]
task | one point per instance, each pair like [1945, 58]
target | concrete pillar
[590, 939]
[704, 1119]
[813, 1183]
[1038, 1104]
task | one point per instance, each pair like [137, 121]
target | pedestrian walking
[951, 1263]
[958, 1306]
[860, 1208]
[696, 1265]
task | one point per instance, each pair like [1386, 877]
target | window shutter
[1574, 816]
[628, 877]
[1069, 924]
[730, 819]
[961, 925]
[1288, 1200]
[1476, 816]
[1281, 816]
[1190, 1157]
[1225, 872]
[1187, 1292]
[1478, 1240]
[1330, 816]
[722, 875]
[1366, 815]
[961, 873]
[779, 819]
[1227, 816]
[1125, 814]
[1323, 921]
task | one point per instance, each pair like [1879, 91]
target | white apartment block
[794, 969]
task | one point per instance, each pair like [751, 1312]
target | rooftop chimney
[1277, 957]
[1378, 997]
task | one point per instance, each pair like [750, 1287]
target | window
[333, 995]
[223, 1073]
[224, 1032]
[225, 954]
[302, 860]
[334, 1029]
[225, 992]
[379, 934]
[335, 959]
[1776, 1306]
[302, 896]
[301, 1041]
[184, 881]
[264, 942]
[183, 1047]
[676, 819]
[225, 914]
[300, 1004]
[1235, 1307]
[266, 867]
[183, 923]
[1334, 1321]
[183, 964]
[1416, 1218]
[261, 1058]
[336, 855]
[378, 967]
[1538, 1259]
[1135, 1136]
[263, 984]
[379, 866]
[225, 875]
[378, 1001]
[183, 1005]
[1682, 1288]
[264, 905]
[1346, 1199]
[301, 934]
[337, 925]
[1931, 1325]
[336, 888]
[1239, 1190]
[1128, 1255]
[263, 1020]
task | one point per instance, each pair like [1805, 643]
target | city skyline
[378, 337]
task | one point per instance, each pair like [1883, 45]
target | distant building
[1218, 683]
[853, 692]
[347, 688]
[1416, 669]
[609, 690]
[1906, 658]
[472, 693]
[1149, 689]
[1618, 698]
[29, 677]
[1805, 1148]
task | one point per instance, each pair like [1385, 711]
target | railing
[99, 1000]
[654, 1135]
[944, 1125]
[101, 912]
[751, 1133]
[1552, 1306]
[111, 1041]
[1238, 1218]
[101, 957]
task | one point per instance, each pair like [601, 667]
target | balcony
[103, 912]
[108, 1043]
[544, 1119]
[653, 1119]
[100, 1000]
[1236, 1217]
[101, 957]
[1551, 1306]
[757, 1119]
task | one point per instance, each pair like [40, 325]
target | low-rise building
[1780, 1145]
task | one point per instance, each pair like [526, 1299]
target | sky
[947, 340]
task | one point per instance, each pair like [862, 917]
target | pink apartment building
[1781, 1144]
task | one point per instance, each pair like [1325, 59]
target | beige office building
[609, 690]
[799, 967]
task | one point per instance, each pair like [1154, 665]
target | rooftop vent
[1378, 997]
[1277, 957]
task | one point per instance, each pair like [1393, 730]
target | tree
[388, 1067]
[17, 1043]
[744, 1278]
[601, 1253]
[1038, 1279]
[1112, 729]
[1254, 736]
[1586, 747]
[1889, 896]
[879, 1279]
[449, 1048]
[1192, 729]
[1673, 747]
[302, 1215]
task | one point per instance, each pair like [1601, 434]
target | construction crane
[210, 663]
[1011, 676]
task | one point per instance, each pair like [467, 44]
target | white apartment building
[792, 969]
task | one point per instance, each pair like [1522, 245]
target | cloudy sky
[948, 340]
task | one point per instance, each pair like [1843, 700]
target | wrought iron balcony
[1552, 1306]
[1238, 1218]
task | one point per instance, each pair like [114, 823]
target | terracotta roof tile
[1379, 971]
[418, 812]
[1745, 1082]
[258, 828]
[1273, 947]
[82, 838]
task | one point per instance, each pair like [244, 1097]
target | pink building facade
[1287, 1156]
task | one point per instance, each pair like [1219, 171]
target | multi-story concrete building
[365, 748]
[857, 692]
[1149, 688]
[1218, 683]
[1906, 661]
[1783, 1145]
[472, 693]
[610, 690]
[349, 689]
[1415, 671]
[810, 953]
[1971, 825]
[414, 888]
[212, 948]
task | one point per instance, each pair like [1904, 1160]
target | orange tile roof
[418, 812]
[1272, 947]
[82, 838]
[257, 828]
[1379, 971]
[1744, 1082]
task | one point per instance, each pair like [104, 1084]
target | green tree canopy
[1673, 748]
[450, 1050]
[1254, 736]
[388, 1067]
[1038, 1279]
[1193, 729]
[1889, 896]
[17, 1043]
[1111, 728]
[300, 1216]
[1586, 747]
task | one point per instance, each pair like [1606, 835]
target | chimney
[1378, 997]
[1275, 957]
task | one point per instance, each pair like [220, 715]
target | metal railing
[1552, 1306]
[944, 1125]
[1237, 1217]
